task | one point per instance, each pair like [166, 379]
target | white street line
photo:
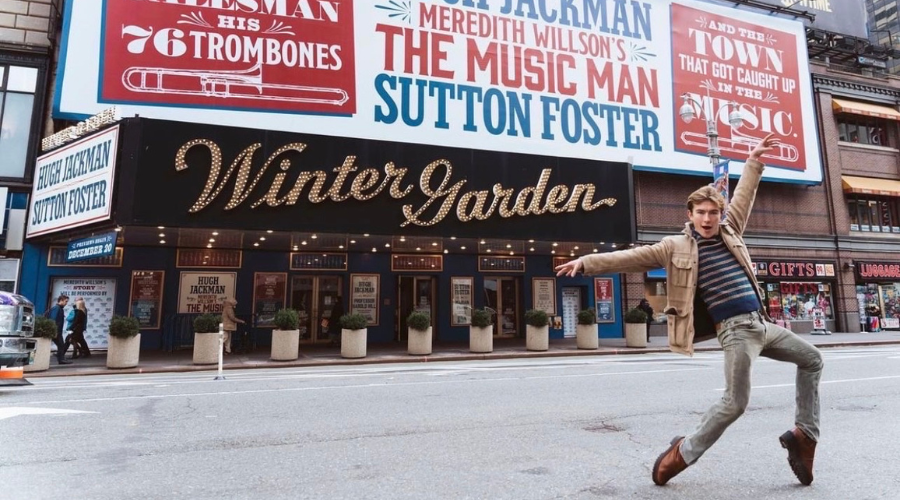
[356, 386]
[823, 382]
[14, 411]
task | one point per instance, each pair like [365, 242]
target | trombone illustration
[742, 144]
[236, 84]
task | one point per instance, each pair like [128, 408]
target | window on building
[18, 91]
[864, 130]
[874, 214]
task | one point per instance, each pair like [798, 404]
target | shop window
[18, 117]
[874, 214]
[798, 301]
[864, 130]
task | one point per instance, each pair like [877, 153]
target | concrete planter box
[481, 339]
[419, 342]
[586, 337]
[285, 345]
[123, 352]
[537, 338]
[353, 343]
[41, 356]
[635, 334]
[206, 348]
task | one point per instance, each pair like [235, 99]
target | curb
[308, 363]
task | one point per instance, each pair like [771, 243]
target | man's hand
[569, 269]
[767, 144]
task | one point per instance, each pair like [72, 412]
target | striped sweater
[722, 283]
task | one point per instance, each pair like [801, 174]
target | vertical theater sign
[583, 80]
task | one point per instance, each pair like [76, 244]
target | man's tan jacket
[679, 255]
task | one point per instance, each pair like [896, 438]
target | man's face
[63, 302]
[706, 217]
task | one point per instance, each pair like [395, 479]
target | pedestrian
[78, 325]
[648, 310]
[229, 321]
[709, 262]
[58, 315]
[334, 321]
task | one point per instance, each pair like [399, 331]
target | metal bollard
[219, 376]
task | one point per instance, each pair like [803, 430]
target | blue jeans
[743, 338]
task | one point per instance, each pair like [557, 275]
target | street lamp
[712, 127]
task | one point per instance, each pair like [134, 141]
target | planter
[537, 338]
[419, 342]
[285, 345]
[481, 339]
[586, 337]
[206, 348]
[635, 334]
[41, 356]
[353, 343]
[124, 352]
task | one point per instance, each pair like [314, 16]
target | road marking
[824, 382]
[355, 386]
[15, 411]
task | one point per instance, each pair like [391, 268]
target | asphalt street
[580, 428]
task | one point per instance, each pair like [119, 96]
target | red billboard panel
[718, 59]
[270, 55]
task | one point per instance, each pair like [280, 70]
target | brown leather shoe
[670, 463]
[801, 452]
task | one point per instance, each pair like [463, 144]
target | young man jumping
[712, 291]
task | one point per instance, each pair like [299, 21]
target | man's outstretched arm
[745, 192]
[626, 261]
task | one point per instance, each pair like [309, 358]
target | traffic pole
[219, 376]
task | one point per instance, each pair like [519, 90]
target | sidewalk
[181, 361]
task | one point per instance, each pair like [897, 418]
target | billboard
[847, 17]
[73, 185]
[590, 80]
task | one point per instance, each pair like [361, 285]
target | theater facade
[163, 220]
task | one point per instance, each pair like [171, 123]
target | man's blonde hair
[706, 193]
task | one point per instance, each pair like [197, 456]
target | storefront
[878, 294]
[797, 292]
[200, 213]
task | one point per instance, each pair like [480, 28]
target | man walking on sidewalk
[57, 314]
[712, 291]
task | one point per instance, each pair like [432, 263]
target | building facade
[424, 193]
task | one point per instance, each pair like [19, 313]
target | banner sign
[461, 300]
[202, 292]
[605, 302]
[589, 80]
[269, 294]
[73, 185]
[793, 269]
[146, 297]
[364, 296]
[88, 248]
[99, 296]
[232, 178]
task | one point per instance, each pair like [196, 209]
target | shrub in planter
[587, 317]
[481, 318]
[418, 321]
[353, 321]
[207, 323]
[586, 330]
[536, 318]
[635, 316]
[44, 328]
[125, 327]
[287, 319]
